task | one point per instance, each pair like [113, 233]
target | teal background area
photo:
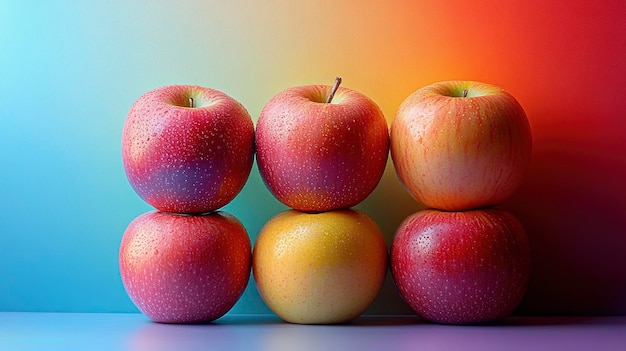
[69, 73]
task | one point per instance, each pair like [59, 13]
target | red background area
[566, 64]
[569, 74]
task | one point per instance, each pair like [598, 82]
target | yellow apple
[319, 268]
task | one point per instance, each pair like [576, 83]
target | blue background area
[69, 72]
[68, 77]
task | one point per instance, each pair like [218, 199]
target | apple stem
[465, 93]
[334, 90]
[191, 102]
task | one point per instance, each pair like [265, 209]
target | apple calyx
[465, 93]
[334, 90]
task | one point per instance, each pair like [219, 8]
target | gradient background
[70, 70]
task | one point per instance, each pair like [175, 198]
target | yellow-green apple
[180, 268]
[461, 267]
[459, 145]
[319, 268]
[187, 149]
[321, 148]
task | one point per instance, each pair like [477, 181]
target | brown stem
[465, 93]
[334, 90]
[191, 102]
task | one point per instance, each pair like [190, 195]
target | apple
[319, 268]
[460, 145]
[321, 148]
[187, 149]
[180, 268]
[461, 267]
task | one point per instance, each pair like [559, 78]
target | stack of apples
[320, 150]
[187, 151]
[461, 148]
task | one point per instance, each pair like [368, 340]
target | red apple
[184, 269]
[461, 267]
[319, 268]
[187, 149]
[319, 156]
[460, 145]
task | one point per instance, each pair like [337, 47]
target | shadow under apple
[576, 220]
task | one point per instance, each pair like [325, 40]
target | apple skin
[461, 267]
[185, 269]
[316, 156]
[187, 160]
[319, 268]
[459, 153]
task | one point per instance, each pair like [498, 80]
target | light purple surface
[65, 331]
